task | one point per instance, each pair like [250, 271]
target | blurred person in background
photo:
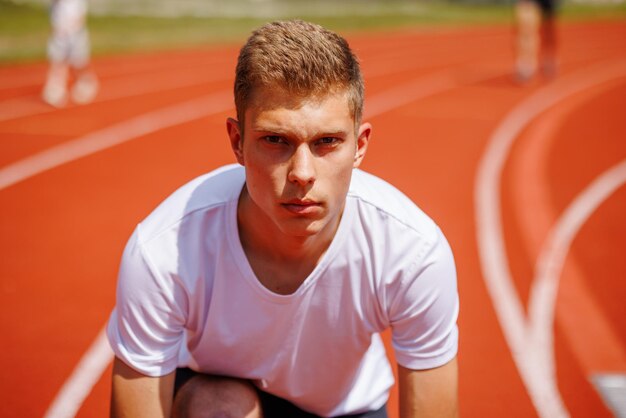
[536, 38]
[69, 49]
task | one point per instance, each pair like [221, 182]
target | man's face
[299, 155]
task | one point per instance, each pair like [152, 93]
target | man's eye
[327, 140]
[273, 139]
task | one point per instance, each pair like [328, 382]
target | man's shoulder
[211, 190]
[390, 203]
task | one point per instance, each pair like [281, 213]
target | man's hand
[429, 393]
[136, 395]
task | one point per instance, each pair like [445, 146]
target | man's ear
[363, 138]
[236, 140]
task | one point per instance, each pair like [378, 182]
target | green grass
[24, 28]
[23, 32]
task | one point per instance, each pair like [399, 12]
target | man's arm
[136, 395]
[429, 393]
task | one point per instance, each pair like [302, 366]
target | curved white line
[114, 135]
[533, 356]
[85, 375]
[24, 106]
[554, 251]
[410, 92]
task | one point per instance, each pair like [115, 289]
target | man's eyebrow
[269, 129]
[340, 134]
[287, 131]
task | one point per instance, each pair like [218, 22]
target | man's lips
[299, 206]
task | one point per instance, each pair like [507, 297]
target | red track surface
[62, 230]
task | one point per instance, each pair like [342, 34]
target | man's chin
[303, 228]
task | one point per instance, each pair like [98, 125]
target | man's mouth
[302, 206]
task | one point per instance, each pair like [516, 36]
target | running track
[526, 181]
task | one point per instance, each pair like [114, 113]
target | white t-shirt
[187, 296]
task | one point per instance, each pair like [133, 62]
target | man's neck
[280, 261]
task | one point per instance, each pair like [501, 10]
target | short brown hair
[301, 57]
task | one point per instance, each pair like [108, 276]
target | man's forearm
[429, 393]
[136, 395]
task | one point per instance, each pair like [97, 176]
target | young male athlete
[260, 290]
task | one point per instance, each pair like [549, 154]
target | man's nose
[302, 166]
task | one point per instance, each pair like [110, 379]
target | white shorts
[69, 41]
[73, 48]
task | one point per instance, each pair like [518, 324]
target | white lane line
[556, 246]
[23, 106]
[77, 388]
[534, 362]
[120, 88]
[553, 255]
[425, 86]
[8, 79]
[409, 92]
[612, 388]
[30, 75]
[576, 311]
[84, 377]
[114, 135]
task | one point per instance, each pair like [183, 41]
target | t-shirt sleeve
[423, 307]
[146, 327]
